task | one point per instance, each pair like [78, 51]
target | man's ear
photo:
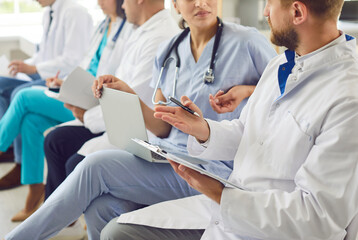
[300, 12]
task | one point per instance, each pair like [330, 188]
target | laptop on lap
[123, 118]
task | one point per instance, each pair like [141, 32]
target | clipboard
[185, 163]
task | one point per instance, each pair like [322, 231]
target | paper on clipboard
[76, 90]
[184, 162]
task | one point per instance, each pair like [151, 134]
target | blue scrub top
[242, 56]
[93, 67]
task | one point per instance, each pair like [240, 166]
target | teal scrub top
[93, 67]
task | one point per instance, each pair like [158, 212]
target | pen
[182, 106]
[52, 86]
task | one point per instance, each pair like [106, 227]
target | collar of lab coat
[340, 48]
[152, 23]
[341, 39]
[56, 5]
[328, 53]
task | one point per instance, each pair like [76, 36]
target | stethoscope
[208, 75]
[102, 27]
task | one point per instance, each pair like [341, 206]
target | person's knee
[72, 162]
[117, 231]
[21, 95]
[52, 140]
[91, 163]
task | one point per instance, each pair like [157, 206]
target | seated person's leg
[61, 145]
[27, 100]
[118, 231]
[103, 209]
[7, 85]
[114, 172]
[38, 82]
[72, 162]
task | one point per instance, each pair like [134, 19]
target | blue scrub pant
[17, 141]
[61, 146]
[103, 186]
[30, 113]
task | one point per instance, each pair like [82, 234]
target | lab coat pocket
[290, 146]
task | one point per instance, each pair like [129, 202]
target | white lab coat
[111, 57]
[66, 42]
[298, 155]
[136, 70]
[113, 51]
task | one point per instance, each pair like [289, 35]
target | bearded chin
[287, 37]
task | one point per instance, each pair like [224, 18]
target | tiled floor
[11, 201]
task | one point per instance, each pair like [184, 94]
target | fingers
[48, 83]
[219, 93]
[95, 88]
[164, 109]
[13, 63]
[216, 107]
[188, 103]
[224, 98]
[68, 106]
[15, 67]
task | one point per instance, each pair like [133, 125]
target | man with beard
[295, 144]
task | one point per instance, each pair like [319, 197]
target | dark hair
[120, 11]
[182, 23]
[322, 8]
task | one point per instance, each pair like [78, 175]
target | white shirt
[297, 153]
[111, 57]
[66, 42]
[113, 52]
[135, 69]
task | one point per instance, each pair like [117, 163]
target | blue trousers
[17, 141]
[7, 86]
[103, 186]
[61, 146]
[30, 113]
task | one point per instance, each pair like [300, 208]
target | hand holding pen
[185, 120]
[54, 83]
[173, 100]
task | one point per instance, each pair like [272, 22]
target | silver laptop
[124, 120]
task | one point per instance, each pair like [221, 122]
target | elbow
[163, 132]
[162, 135]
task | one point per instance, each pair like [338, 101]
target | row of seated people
[284, 147]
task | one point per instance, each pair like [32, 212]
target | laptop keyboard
[156, 156]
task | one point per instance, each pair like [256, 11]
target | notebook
[76, 90]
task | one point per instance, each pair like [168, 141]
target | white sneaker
[75, 232]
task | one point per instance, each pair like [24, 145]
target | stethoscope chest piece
[209, 76]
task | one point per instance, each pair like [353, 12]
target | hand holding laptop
[109, 81]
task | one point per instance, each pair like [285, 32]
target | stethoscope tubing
[101, 29]
[208, 75]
